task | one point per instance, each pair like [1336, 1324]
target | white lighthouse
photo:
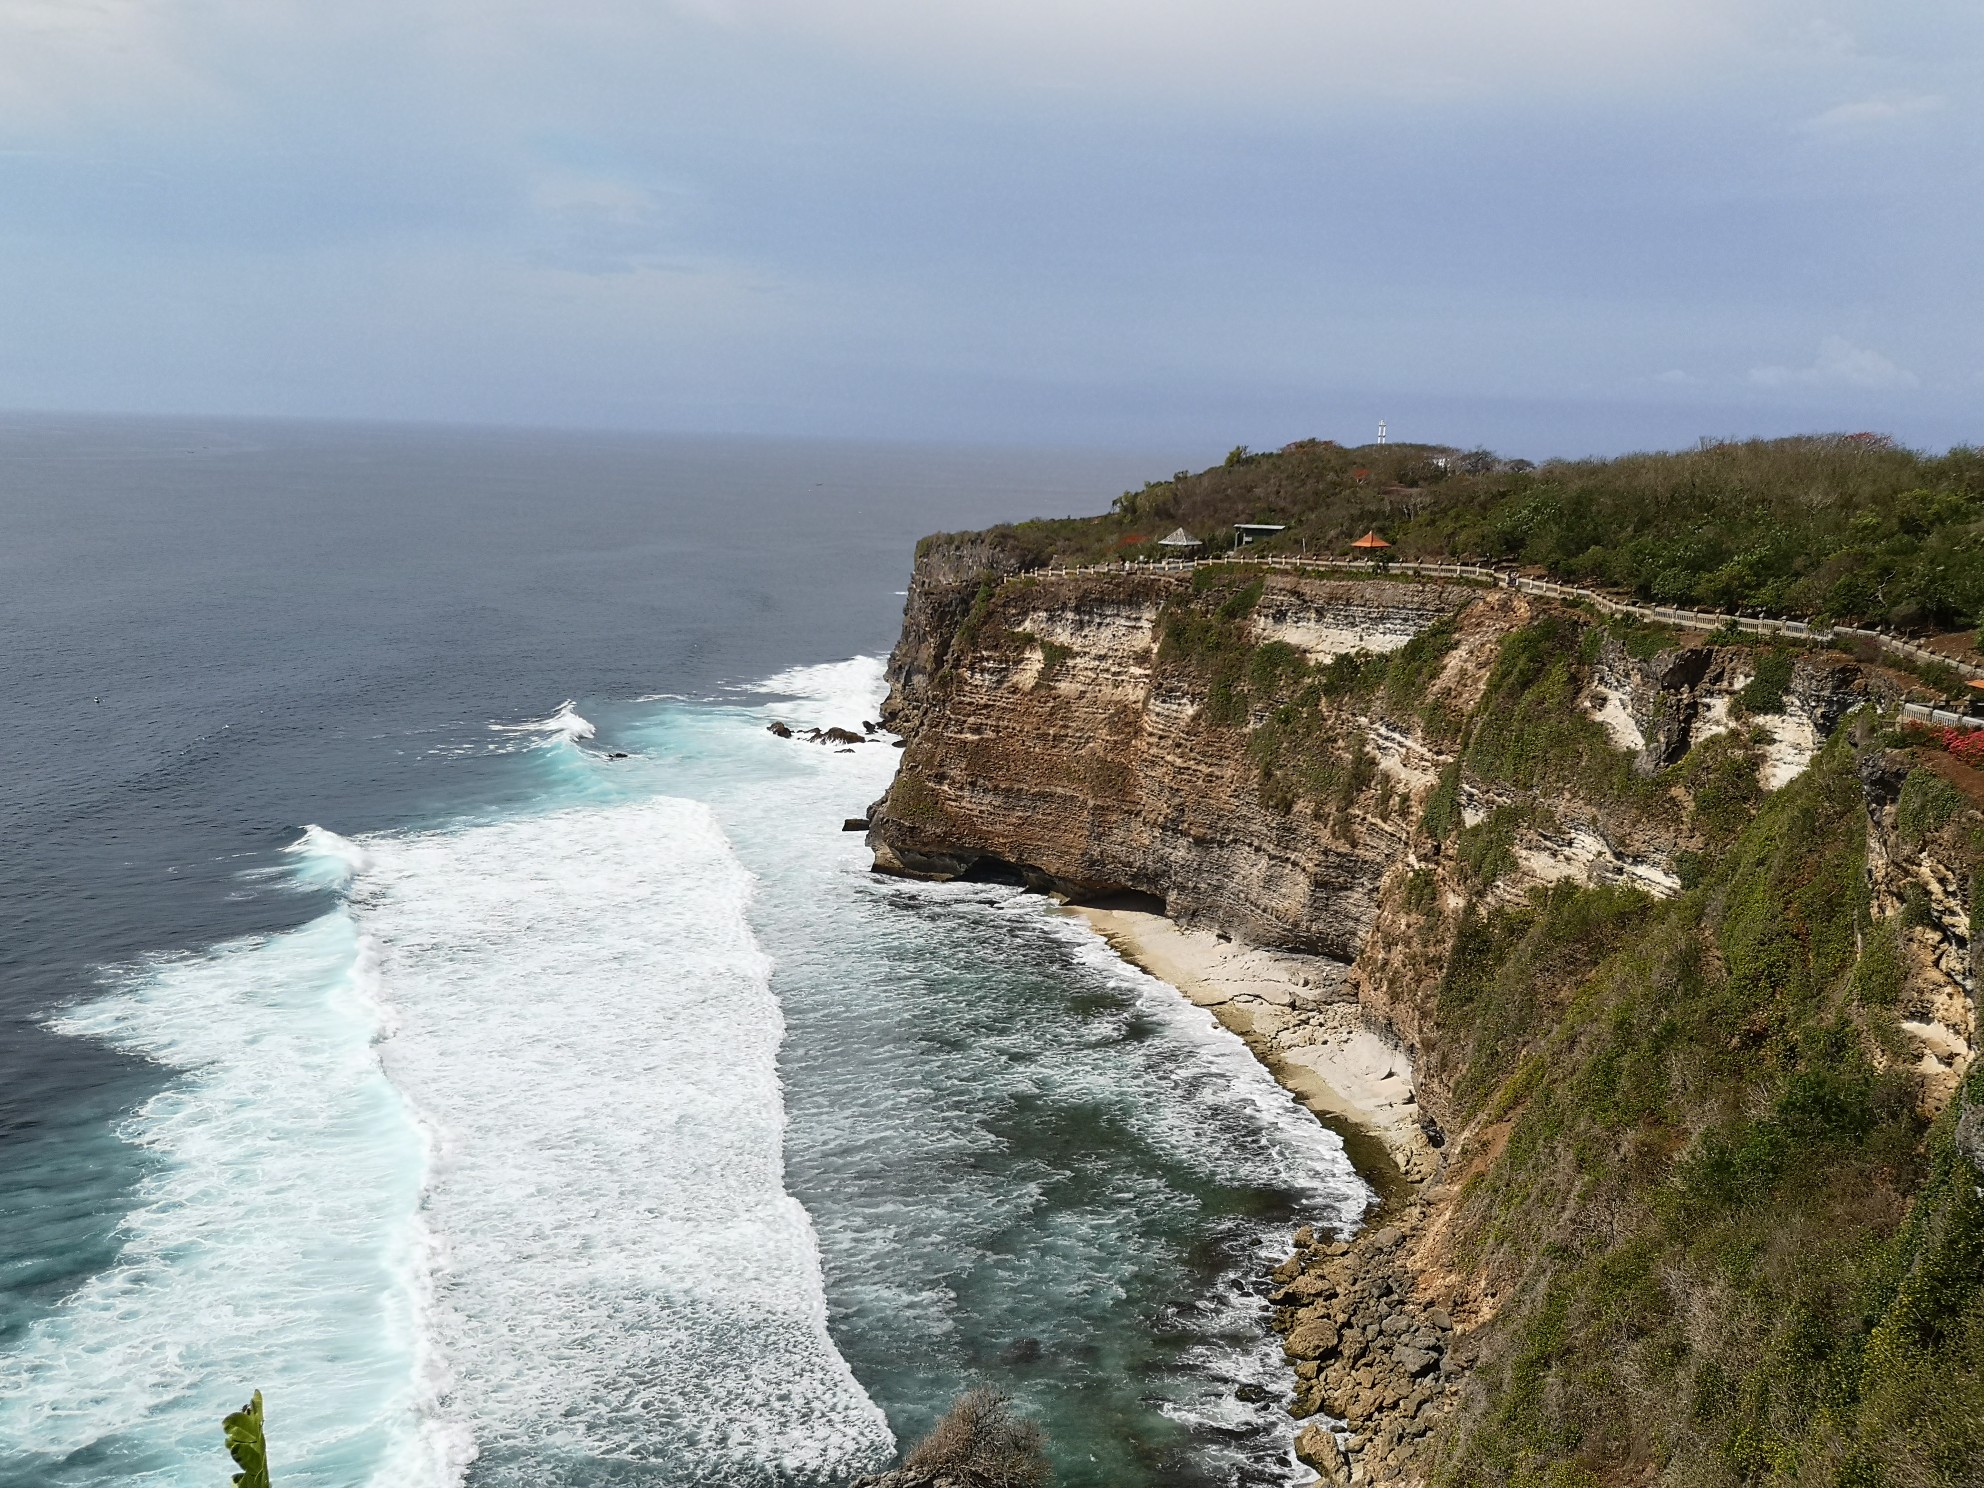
[1381, 431]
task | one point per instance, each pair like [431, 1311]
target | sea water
[569, 1103]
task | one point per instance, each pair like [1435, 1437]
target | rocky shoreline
[1376, 1357]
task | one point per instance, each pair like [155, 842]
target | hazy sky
[1549, 226]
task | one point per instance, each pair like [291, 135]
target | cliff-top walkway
[1905, 651]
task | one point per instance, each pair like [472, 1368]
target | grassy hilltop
[1837, 527]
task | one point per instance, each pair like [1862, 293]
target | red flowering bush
[1962, 744]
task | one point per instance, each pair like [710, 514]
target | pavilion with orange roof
[1370, 542]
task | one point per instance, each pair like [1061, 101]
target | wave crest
[325, 860]
[564, 726]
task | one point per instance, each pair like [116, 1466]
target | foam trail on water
[585, 1021]
[1016, 1146]
[274, 1243]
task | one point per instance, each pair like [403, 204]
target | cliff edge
[1669, 941]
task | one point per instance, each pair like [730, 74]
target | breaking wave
[483, 1176]
[564, 726]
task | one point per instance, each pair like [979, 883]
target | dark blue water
[316, 1068]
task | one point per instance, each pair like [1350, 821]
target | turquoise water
[538, 1116]
[643, 1136]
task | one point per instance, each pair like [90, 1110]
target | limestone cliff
[1469, 820]
[1053, 740]
[1112, 733]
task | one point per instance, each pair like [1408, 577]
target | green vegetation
[1640, 640]
[242, 1433]
[1730, 1251]
[1765, 693]
[914, 801]
[1528, 733]
[1529, 730]
[1274, 692]
[1926, 803]
[1840, 527]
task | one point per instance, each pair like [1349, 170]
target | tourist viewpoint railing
[1663, 614]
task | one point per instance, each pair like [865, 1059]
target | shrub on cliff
[980, 1443]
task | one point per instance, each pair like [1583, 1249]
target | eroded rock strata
[1462, 821]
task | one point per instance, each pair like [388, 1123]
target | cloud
[65, 62]
[1840, 364]
[1675, 377]
[1308, 51]
[597, 224]
[1875, 112]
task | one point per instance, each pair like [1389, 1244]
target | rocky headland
[1566, 921]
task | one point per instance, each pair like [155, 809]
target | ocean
[433, 997]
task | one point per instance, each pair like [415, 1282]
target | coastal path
[1902, 650]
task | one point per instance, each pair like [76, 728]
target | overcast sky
[1548, 226]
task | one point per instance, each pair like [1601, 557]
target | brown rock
[1316, 1447]
[1305, 1288]
[1415, 1361]
[1312, 1338]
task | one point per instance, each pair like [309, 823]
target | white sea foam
[585, 1021]
[556, 1240]
[839, 693]
[1299, 1152]
[321, 859]
[559, 1241]
[926, 1016]
[274, 1243]
[565, 725]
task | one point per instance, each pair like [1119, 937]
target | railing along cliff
[1663, 614]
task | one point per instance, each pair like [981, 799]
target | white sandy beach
[1297, 1017]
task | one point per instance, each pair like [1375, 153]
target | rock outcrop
[1377, 1361]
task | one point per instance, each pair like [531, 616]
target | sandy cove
[1301, 1022]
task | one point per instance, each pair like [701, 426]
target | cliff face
[1148, 733]
[1611, 895]
[1052, 739]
